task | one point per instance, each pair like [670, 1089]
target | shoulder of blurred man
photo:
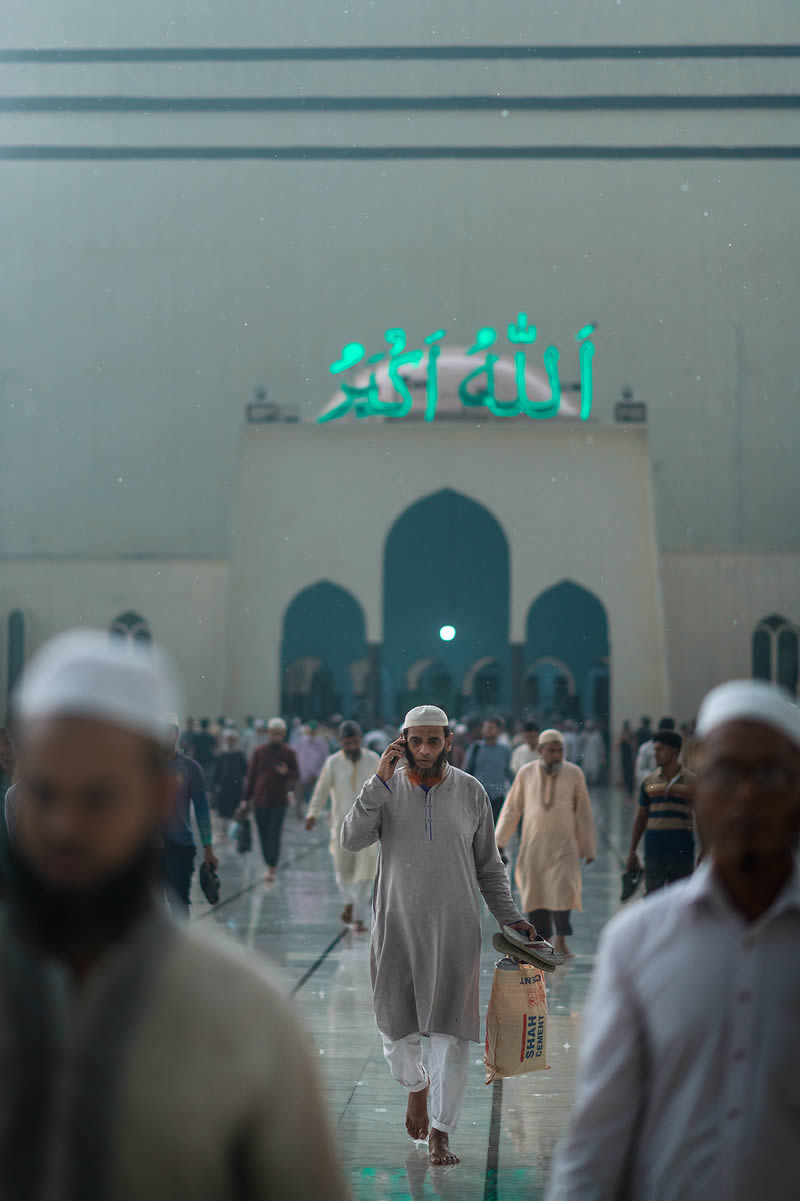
[184, 764]
[201, 955]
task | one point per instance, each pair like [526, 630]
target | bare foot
[439, 1149]
[560, 945]
[360, 928]
[269, 875]
[347, 915]
[417, 1122]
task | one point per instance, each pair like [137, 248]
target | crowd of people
[684, 1088]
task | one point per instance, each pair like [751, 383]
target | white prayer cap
[89, 673]
[425, 715]
[551, 736]
[750, 700]
[258, 724]
[276, 723]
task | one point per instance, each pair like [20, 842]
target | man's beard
[426, 773]
[748, 862]
[551, 768]
[57, 917]
[354, 755]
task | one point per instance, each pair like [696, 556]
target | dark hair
[204, 723]
[530, 726]
[667, 723]
[645, 721]
[668, 738]
[498, 721]
[349, 729]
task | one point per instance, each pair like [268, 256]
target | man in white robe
[342, 778]
[140, 1060]
[557, 832]
[527, 751]
[570, 736]
[592, 752]
[437, 855]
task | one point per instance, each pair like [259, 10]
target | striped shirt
[670, 819]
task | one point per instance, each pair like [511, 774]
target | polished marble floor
[507, 1133]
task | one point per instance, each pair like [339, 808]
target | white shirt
[689, 1079]
[521, 755]
[570, 746]
[645, 762]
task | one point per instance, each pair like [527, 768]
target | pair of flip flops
[537, 951]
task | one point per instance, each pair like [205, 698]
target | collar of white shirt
[704, 888]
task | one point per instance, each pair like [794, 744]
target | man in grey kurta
[437, 855]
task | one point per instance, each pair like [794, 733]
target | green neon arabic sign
[364, 401]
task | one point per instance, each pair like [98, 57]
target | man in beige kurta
[557, 832]
[140, 1059]
[342, 777]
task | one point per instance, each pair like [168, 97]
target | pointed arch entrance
[446, 563]
[324, 637]
[567, 652]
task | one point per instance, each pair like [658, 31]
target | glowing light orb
[447, 633]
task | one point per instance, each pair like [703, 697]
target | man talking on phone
[437, 854]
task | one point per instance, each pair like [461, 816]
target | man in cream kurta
[437, 856]
[557, 832]
[342, 778]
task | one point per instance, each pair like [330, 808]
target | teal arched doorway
[324, 636]
[446, 563]
[567, 652]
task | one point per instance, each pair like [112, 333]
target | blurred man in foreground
[688, 1083]
[139, 1060]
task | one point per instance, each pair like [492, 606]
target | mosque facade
[486, 563]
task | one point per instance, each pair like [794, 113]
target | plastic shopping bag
[516, 1023]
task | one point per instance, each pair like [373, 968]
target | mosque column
[517, 678]
[374, 678]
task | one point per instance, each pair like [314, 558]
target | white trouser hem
[357, 895]
[448, 1069]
